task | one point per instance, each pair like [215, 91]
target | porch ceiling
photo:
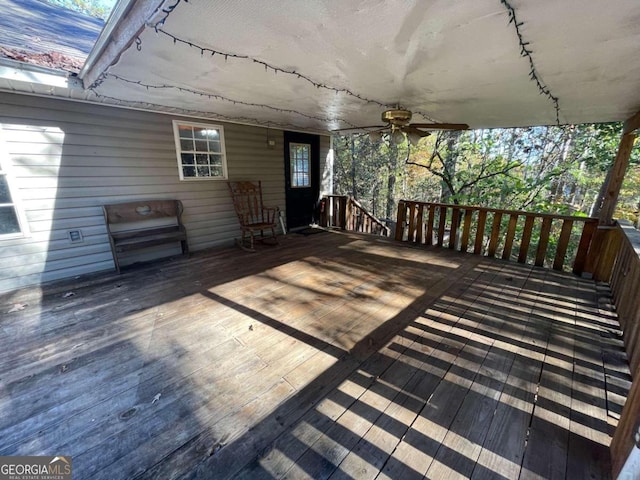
[332, 64]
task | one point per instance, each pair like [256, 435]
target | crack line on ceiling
[269, 67]
[213, 96]
[525, 52]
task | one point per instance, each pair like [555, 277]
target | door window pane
[299, 156]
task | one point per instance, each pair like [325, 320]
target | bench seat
[135, 239]
[135, 215]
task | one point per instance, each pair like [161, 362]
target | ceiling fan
[399, 122]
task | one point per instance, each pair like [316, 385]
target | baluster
[482, 221]
[466, 230]
[526, 239]
[495, 234]
[563, 244]
[455, 221]
[544, 241]
[442, 225]
[511, 233]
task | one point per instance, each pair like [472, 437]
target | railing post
[343, 212]
[400, 220]
[608, 255]
[323, 211]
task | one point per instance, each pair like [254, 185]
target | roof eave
[125, 23]
[28, 73]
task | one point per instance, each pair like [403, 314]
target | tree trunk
[354, 190]
[450, 161]
[391, 180]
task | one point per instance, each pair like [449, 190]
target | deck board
[329, 356]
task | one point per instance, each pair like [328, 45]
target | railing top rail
[632, 235]
[508, 212]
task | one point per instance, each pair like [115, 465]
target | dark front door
[302, 177]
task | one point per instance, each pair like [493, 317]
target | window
[200, 151]
[299, 156]
[9, 215]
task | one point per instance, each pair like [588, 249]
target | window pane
[188, 172]
[188, 158]
[5, 194]
[186, 145]
[299, 154]
[215, 160]
[8, 221]
[201, 146]
[185, 131]
[206, 133]
[203, 171]
[202, 159]
[200, 133]
[216, 171]
[214, 146]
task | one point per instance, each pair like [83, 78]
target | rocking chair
[252, 214]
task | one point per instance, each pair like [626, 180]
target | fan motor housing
[400, 118]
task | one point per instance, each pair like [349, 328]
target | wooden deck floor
[329, 356]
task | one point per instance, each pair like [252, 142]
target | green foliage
[93, 8]
[544, 169]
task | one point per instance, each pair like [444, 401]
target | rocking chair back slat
[252, 214]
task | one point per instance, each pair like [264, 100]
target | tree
[93, 8]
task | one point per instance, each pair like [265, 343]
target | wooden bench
[252, 214]
[163, 225]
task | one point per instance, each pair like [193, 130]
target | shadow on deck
[329, 356]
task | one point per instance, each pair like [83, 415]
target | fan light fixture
[375, 136]
[397, 136]
[413, 138]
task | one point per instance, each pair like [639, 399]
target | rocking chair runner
[252, 214]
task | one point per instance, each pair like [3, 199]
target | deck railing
[620, 258]
[346, 213]
[526, 237]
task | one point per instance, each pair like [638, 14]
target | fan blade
[359, 128]
[441, 126]
[413, 129]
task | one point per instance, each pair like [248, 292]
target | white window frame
[223, 154]
[292, 159]
[5, 170]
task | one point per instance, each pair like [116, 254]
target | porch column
[602, 253]
[619, 169]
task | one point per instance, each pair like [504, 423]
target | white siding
[69, 158]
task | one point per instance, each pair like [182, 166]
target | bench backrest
[247, 201]
[142, 210]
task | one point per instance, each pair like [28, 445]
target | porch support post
[598, 264]
[619, 169]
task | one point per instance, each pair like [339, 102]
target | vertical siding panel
[70, 158]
